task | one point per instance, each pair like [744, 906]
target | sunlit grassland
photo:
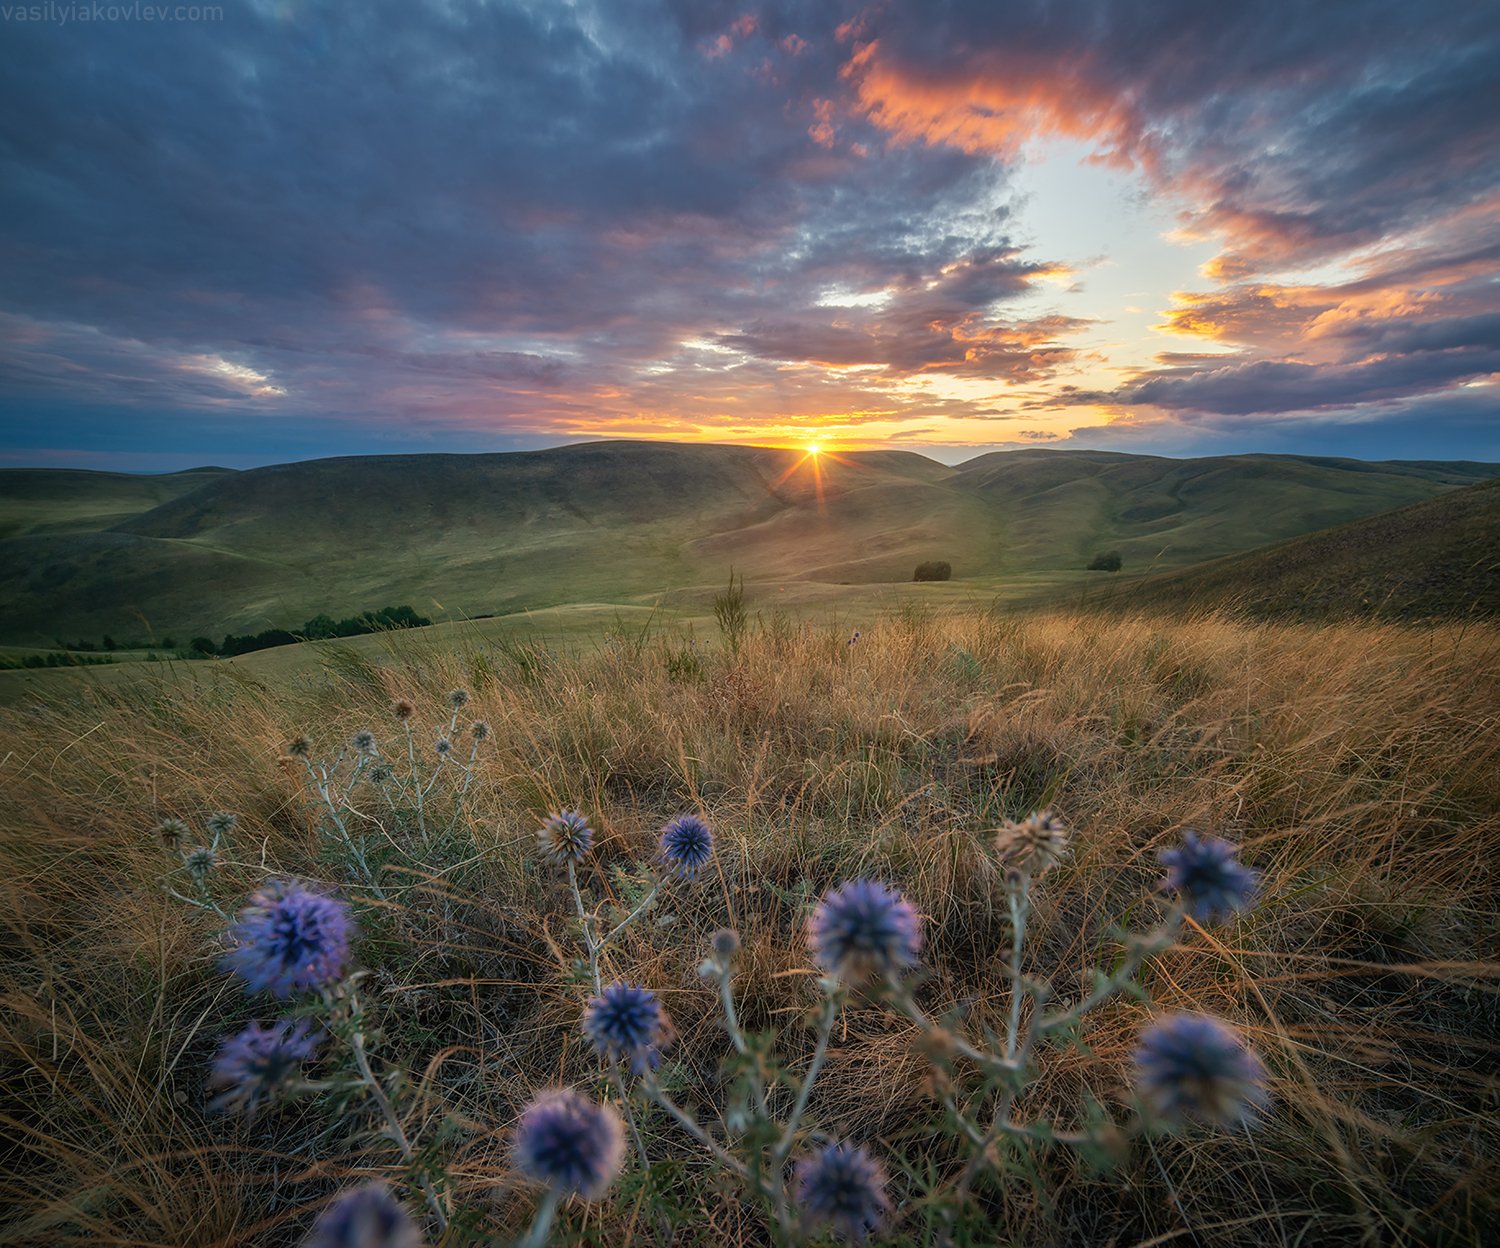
[1358, 767]
[679, 614]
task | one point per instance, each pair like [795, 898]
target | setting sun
[814, 449]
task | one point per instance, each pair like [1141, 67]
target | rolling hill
[1438, 559]
[214, 551]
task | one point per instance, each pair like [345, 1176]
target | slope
[1438, 559]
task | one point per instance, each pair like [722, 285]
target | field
[464, 536]
[1356, 766]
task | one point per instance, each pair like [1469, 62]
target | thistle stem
[536, 1236]
[632, 916]
[794, 1120]
[387, 1110]
[902, 1000]
[688, 1124]
[635, 1132]
[416, 783]
[1136, 953]
[463, 793]
[211, 906]
[732, 1025]
[586, 921]
[1020, 905]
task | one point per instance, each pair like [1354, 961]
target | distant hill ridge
[1438, 559]
[213, 551]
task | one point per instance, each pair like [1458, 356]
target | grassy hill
[1170, 512]
[68, 500]
[1437, 559]
[210, 551]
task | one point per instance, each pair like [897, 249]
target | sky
[271, 230]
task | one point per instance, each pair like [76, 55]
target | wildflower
[200, 860]
[625, 1023]
[687, 843]
[725, 944]
[1213, 884]
[458, 699]
[853, 638]
[443, 746]
[171, 833]
[566, 837]
[480, 728]
[290, 940]
[1034, 845]
[401, 708]
[863, 930]
[221, 823]
[365, 1217]
[299, 747]
[381, 773]
[569, 1143]
[842, 1186]
[260, 1062]
[1190, 1066]
[363, 741]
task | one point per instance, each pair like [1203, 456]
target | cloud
[700, 218]
[1293, 132]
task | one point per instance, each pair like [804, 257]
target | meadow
[1355, 767]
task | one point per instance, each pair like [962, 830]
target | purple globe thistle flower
[842, 1186]
[403, 709]
[566, 837]
[290, 940]
[687, 844]
[1212, 882]
[1190, 1066]
[863, 930]
[299, 747]
[626, 1024]
[458, 699]
[480, 728]
[365, 1217]
[443, 746]
[569, 1143]
[363, 741]
[255, 1065]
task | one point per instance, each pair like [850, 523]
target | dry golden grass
[1358, 766]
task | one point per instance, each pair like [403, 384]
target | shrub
[933, 570]
[1105, 561]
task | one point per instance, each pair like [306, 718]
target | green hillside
[68, 500]
[210, 552]
[1067, 506]
[1438, 559]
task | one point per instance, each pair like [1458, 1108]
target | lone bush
[1106, 561]
[933, 570]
